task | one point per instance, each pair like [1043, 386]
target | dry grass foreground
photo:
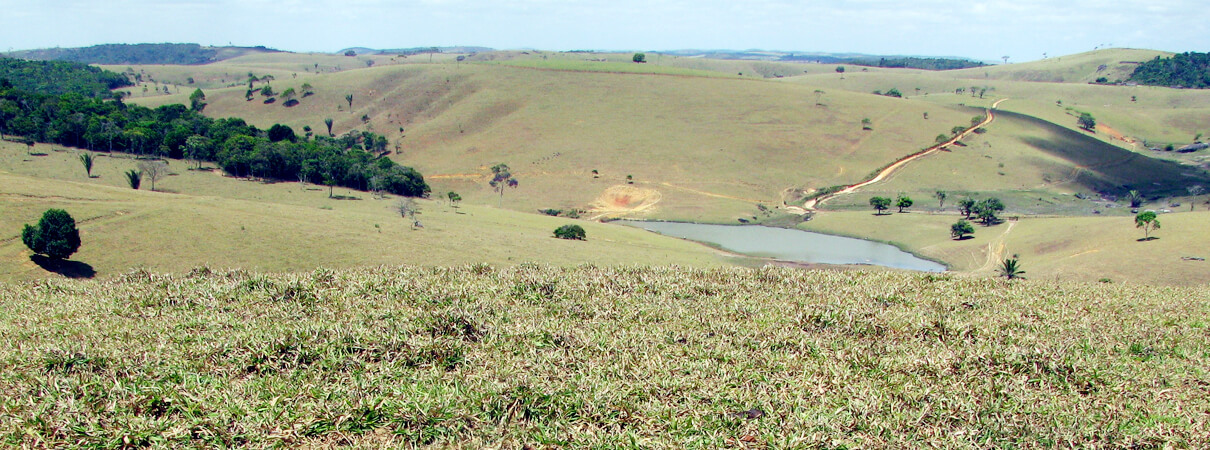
[600, 357]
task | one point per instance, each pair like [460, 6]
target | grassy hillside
[1086, 249]
[200, 217]
[712, 148]
[1113, 64]
[593, 357]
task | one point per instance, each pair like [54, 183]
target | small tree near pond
[880, 204]
[960, 229]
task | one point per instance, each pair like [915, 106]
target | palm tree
[86, 160]
[1011, 268]
[1135, 198]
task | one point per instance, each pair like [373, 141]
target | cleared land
[201, 217]
[596, 357]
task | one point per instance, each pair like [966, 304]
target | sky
[985, 30]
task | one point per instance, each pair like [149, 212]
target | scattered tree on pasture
[966, 206]
[502, 177]
[880, 204]
[196, 100]
[1087, 122]
[55, 235]
[903, 201]
[454, 198]
[153, 170]
[1194, 191]
[639, 58]
[866, 124]
[349, 98]
[328, 122]
[1148, 221]
[940, 196]
[961, 228]
[134, 178]
[86, 159]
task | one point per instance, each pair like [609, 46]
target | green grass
[590, 357]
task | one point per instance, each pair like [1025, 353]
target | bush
[55, 235]
[575, 232]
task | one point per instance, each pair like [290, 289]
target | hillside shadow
[69, 269]
[1107, 168]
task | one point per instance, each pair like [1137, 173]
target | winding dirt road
[884, 173]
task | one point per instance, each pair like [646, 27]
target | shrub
[575, 232]
[55, 235]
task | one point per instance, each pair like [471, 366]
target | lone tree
[502, 177]
[1194, 191]
[573, 232]
[880, 204]
[153, 170]
[639, 58]
[903, 201]
[1011, 268]
[328, 122]
[987, 209]
[1148, 222]
[196, 102]
[1087, 122]
[940, 195]
[134, 178]
[961, 228]
[454, 198]
[866, 124]
[349, 98]
[55, 235]
[86, 160]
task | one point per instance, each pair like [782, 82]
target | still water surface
[791, 245]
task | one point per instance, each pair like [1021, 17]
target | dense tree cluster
[126, 54]
[60, 77]
[918, 63]
[1189, 70]
[355, 160]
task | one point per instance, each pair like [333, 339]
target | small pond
[791, 245]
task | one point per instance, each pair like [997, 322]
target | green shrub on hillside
[55, 235]
[574, 232]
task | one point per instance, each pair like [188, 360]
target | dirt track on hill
[810, 205]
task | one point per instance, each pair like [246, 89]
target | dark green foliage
[880, 204]
[86, 159]
[134, 178]
[55, 235]
[279, 132]
[60, 77]
[574, 232]
[1189, 69]
[351, 160]
[961, 228]
[967, 206]
[196, 102]
[903, 201]
[1011, 268]
[839, 69]
[1087, 122]
[894, 92]
[987, 211]
[1148, 222]
[639, 58]
[917, 63]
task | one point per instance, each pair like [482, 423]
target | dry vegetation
[600, 357]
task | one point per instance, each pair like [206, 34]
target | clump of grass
[599, 357]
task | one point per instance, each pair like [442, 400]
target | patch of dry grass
[600, 357]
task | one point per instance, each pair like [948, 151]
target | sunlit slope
[224, 222]
[1036, 167]
[1111, 64]
[744, 141]
[1050, 248]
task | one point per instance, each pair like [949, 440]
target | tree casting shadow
[69, 269]
[1152, 238]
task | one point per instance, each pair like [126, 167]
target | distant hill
[1188, 70]
[857, 59]
[1111, 65]
[60, 77]
[179, 54]
[415, 50]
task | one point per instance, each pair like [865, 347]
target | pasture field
[716, 146]
[201, 217]
[592, 357]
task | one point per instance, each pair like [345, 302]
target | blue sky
[986, 30]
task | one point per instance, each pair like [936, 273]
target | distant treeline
[61, 77]
[1188, 70]
[906, 62]
[355, 160]
[127, 54]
